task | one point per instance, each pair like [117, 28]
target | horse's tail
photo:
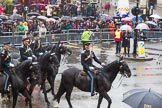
[60, 92]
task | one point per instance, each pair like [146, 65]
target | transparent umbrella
[142, 26]
[155, 16]
[16, 17]
[126, 27]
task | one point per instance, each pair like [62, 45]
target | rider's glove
[40, 53]
[102, 64]
[30, 58]
[11, 65]
[91, 68]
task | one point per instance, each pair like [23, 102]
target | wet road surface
[145, 74]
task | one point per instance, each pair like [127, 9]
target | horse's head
[54, 60]
[34, 70]
[61, 49]
[124, 68]
[30, 69]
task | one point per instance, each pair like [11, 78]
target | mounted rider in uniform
[87, 58]
[36, 46]
[5, 64]
[25, 50]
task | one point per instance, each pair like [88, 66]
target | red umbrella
[127, 19]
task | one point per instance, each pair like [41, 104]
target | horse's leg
[15, 94]
[45, 93]
[107, 97]
[51, 80]
[26, 94]
[68, 95]
[99, 101]
[60, 92]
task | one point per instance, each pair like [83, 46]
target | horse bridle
[122, 70]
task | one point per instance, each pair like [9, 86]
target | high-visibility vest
[85, 36]
[117, 34]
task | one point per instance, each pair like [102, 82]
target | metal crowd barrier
[15, 38]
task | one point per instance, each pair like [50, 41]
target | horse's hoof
[55, 104]
[4, 100]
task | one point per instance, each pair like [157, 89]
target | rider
[86, 60]
[6, 64]
[36, 46]
[25, 50]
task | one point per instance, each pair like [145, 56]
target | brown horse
[72, 77]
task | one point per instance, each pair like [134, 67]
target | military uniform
[5, 64]
[87, 57]
[36, 47]
[25, 52]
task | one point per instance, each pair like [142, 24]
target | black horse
[48, 69]
[18, 78]
[59, 49]
[72, 77]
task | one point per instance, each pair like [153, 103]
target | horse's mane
[110, 65]
[23, 64]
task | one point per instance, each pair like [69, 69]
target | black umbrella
[143, 98]
[16, 17]
[66, 18]
[33, 14]
[78, 18]
[8, 22]
[4, 17]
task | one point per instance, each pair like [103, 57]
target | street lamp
[136, 11]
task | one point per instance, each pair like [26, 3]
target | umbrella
[142, 26]
[56, 17]
[51, 19]
[3, 17]
[143, 98]
[66, 18]
[127, 19]
[33, 14]
[106, 17]
[134, 19]
[126, 27]
[151, 23]
[78, 18]
[155, 16]
[17, 5]
[41, 17]
[16, 17]
[8, 22]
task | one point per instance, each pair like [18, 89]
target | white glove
[91, 68]
[30, 58]
[12, 65]
[41, 53]
[102, 64]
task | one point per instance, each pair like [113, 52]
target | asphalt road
[145, 74]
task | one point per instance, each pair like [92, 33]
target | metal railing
[72, 37]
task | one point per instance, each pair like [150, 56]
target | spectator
[118, 38]
[21, 29]
[126, 42]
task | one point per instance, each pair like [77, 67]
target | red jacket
[118, 36]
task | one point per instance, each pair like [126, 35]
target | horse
[106, 75]
[59, 49]
[18, 79]
[48, 69]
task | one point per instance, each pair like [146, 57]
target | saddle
[83, 73]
